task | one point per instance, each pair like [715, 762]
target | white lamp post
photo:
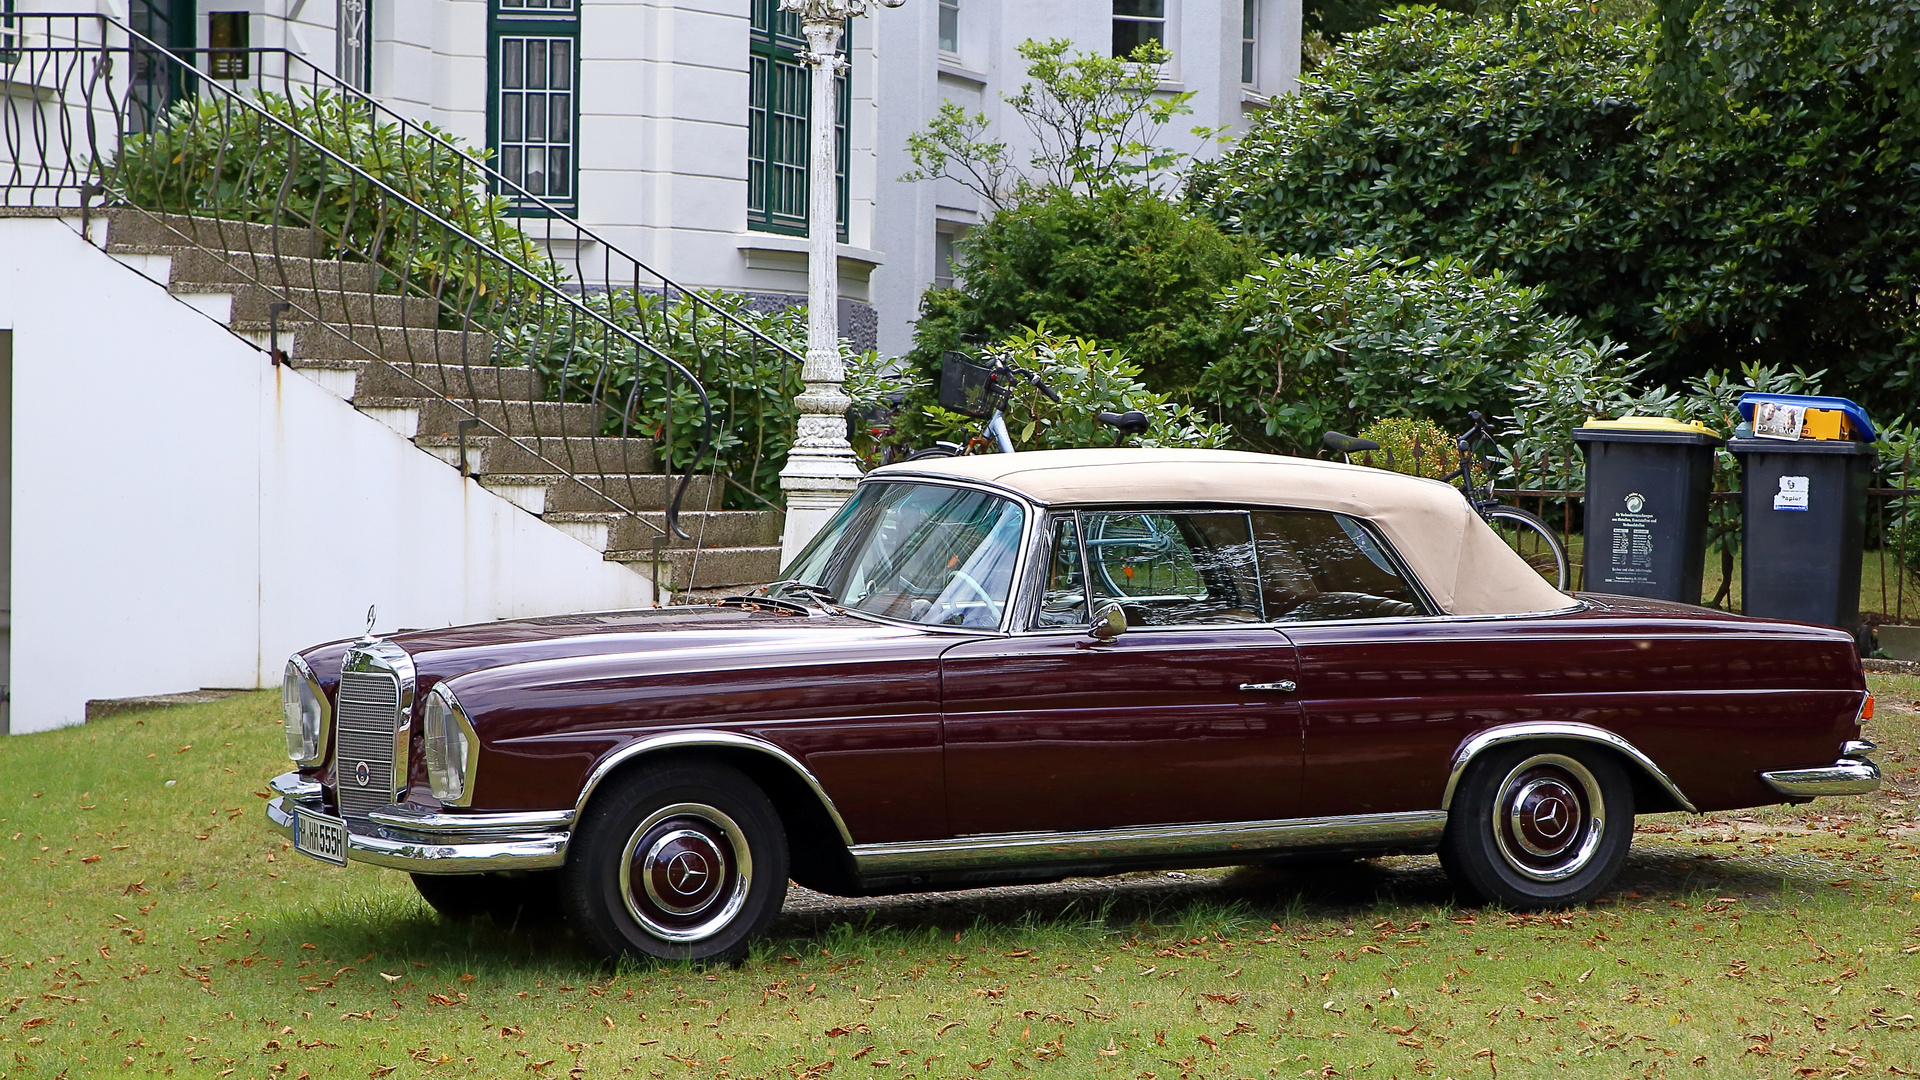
[820, 471]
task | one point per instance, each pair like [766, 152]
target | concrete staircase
[387, 356]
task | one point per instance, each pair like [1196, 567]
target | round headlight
[304, 707]
[451, 745]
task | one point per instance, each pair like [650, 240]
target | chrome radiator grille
[363, 735]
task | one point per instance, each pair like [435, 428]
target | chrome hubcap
[685, 872]
[1548, 817]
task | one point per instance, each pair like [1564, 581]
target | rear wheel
[1534, 541]
[684, 861]
[1534, 827]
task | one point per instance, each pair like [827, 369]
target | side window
[1063, 598]
[1316, 565]
[1174, 569]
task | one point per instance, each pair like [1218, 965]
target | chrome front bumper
[405, 838]
[1854, 774]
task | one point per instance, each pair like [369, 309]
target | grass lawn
[151, 923]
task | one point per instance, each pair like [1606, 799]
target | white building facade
[678, 128]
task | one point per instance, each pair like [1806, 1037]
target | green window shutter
[779, 116]
[533, 99]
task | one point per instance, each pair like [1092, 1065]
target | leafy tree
[1095, 122]
[1746, 197]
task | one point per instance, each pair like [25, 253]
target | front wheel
[1534, 541]
[1538, 827]
[681, 861]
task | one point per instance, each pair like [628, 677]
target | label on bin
[1792, 494]
[1631, 559]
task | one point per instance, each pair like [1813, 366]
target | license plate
[323, 837]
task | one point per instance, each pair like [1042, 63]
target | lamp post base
[815, 486]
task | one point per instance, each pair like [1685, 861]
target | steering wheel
[947, 608]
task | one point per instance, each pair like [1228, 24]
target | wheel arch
[1653, 790]
[818, 840]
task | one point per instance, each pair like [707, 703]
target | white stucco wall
[185, 514]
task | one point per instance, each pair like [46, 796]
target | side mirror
[1109, 622]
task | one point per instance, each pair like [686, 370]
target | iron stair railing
[93, 112]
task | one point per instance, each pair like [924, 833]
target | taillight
[1866, 707]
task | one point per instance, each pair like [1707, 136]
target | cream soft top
[1465, 566]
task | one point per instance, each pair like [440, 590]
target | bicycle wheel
[1533, 541]
[937, 450]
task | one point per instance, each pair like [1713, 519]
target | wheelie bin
[1805, 465]
[1649, 480]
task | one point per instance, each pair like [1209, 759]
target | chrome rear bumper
[405, 838]
[1853, 774]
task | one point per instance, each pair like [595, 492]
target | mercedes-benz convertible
[1015, 668]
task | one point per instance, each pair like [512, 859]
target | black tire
[704, 821]
[1538, 826]
[509, 900]
[1534, 541]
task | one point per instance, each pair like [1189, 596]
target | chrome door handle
[1284, 686]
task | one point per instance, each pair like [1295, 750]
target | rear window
[1316, 565]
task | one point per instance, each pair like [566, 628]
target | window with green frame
[533, 101]
[779, 112]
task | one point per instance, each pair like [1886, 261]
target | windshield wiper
[818, 593]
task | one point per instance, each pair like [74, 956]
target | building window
[1249, 34]
[534, 106]
[950, 26]
[779, 114]
[943, 258]
[1137, 22]
[227, 44]
[353, 43]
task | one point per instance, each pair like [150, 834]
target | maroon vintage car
[1013, 668]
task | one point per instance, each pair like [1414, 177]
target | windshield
[921, 553]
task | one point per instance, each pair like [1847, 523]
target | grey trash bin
[1649, 481]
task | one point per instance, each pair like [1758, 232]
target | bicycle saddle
[1131, 422]
[1347, 444]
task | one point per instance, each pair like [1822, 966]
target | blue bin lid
[1856, 416]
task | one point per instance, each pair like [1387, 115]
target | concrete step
[489, 454]
[439, 416]
[138, 227]
[617, 532]
[354, 309]
[543, 493]
[374, 378]
[191, 264]
[712, 568]
[305, 341]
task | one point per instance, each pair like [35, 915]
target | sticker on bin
[1792, 494]
[1776, 420]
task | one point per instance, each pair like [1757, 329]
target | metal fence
[383, 236]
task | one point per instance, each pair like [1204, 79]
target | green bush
[1413, 445]
[1313, 344]
[752, 385]
[1089, 377]
[213, 156]
[1124, 266]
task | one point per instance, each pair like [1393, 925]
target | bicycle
[984, 391]
[1531, 538]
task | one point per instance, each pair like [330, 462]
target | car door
[1388, 695]
[1185, 717]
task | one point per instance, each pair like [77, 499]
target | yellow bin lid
[1664, 424]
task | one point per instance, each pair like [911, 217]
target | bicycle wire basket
[965, 387]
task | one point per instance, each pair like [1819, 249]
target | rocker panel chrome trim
[1148, 841]
[732, 740]
[1481, 741]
